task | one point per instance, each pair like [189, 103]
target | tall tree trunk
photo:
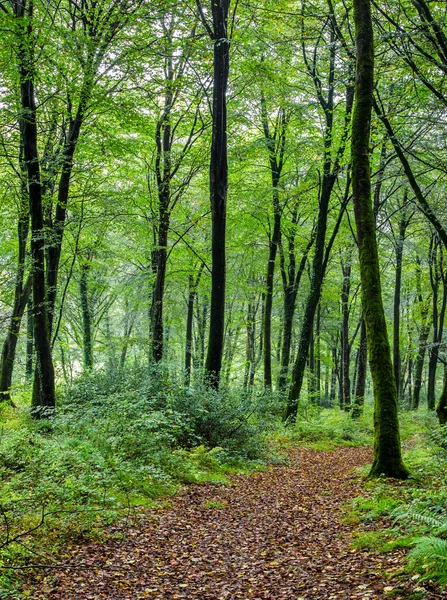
[403, 224]
[359, 394]
[291, 279]
[45, 398]
[333, 377]
[22, 292]
[193, 284]
[86, 317]
[159, 288]
[250, 329]
[276, 159]
[441, 409]
[387, 449]
[218, 186]
[423, 337]
[345, 345]
[29, 340]
[437, 276]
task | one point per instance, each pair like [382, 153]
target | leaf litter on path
[276, 534]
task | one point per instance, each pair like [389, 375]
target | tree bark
[22, 293]
[423, 337]
[399, 249]
[345, 345]
[276, 160]
[45, 399]
[218, 187]
[359, 394]
[29, 340]
[86, 317]
[387, 449]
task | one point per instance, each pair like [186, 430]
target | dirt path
[275, 535]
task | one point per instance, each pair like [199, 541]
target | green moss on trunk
[387, 450]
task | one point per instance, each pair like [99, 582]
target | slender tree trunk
[312, 300]
[218, 189]
[86, 317]
[276, 158]
[311, 369]
[318, 354]
[441, 409]
[403, 223]
[128, 327]
[359, 394]
[423, 337]
[333, 377]
[273, 246]
[387, 449]
[159, 289]
[193, 284]
[22, 292]
[291, 283]
[29, 340]
[345, 346]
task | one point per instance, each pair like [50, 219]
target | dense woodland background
[114, 263]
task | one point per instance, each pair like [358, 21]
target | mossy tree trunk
[345, 345]
[387, 449]
[87, 336]
[423, 337]
[359, 394]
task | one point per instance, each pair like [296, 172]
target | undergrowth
[113, 447]
[415, 511]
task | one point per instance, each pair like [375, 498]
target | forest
[223, 285]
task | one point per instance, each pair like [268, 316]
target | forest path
[275, 534]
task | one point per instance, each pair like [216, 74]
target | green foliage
[323, 428]
[418, 507]
[115, 445]
[429, 556]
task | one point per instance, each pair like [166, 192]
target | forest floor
[275, 534]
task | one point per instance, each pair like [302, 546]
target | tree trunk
[22, 293]
[193, 284]
[359, 394]
[333, 377]
[276, 159]
[29, 340]
[86, 318]
[44, 399]
[317, 355]
[345, 346]
[291, 283]
[441, 409]
[218, 189]
[423, 337]
[403, 223]
[387, 450]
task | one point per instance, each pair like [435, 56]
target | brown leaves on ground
[275, 534]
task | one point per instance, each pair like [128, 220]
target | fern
[430, 556]
[438, 523]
